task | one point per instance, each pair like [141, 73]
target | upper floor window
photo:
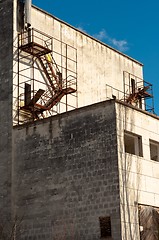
[154, 150]
[133, 143]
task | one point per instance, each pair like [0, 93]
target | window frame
[156, 144]
[137, 143]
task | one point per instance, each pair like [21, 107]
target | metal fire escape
[37, 47]
[136, 92]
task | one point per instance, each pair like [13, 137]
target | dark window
[133, 85]
[105, 227]
[154, 150]
[133, 144]
[20, 15]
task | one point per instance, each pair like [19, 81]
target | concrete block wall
[66, 174]
[6, 79]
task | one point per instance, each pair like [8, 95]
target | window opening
[154, 150]
[133, 85]
[133, 144]
[105, 227]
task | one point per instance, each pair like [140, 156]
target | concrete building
[79, 143]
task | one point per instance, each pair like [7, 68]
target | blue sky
[129, 26]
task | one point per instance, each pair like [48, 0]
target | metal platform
[35, 49]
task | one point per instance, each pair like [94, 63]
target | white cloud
[121, 45]
[101, 35]
[81, 29]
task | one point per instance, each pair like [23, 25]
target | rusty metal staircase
[57, 87]
[54, 76]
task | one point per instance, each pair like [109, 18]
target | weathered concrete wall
[66, 174]
[139, 176]
[97, 63]
[6, 76]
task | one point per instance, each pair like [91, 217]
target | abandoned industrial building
[79, 140]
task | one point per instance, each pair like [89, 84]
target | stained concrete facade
[97, 63]
[65, 172]
[99, 67]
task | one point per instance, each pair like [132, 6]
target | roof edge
[137, 109]
[86, 34]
